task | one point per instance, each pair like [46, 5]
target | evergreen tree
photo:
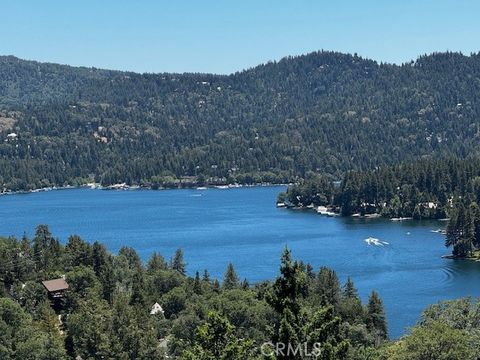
[351, 308]
[216, 286]
[230, 280]
[46, 249]
[285, 298]
[138, 288]
[156, 262]
[376, 322]
[177, 263]
[327, 286]
[197, 285]
[349, 290]
[206, 276]
[217, 341]
[324, 329]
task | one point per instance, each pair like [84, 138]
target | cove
[243, 226]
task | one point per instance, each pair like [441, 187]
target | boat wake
[375, 241]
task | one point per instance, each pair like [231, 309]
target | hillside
[324, 112]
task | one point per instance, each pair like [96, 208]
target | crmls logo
[302, 350]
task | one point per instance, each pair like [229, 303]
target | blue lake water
[216, 226]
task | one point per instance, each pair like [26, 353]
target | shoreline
[327, 212]
[125, 187]
[464, 258]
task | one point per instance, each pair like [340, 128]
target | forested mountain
[323, 112]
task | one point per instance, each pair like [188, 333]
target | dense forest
[427, 189]
[107, 313]
[323, 112]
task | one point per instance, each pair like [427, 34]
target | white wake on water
[375, 241]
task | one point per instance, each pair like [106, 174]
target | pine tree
[197, 285]
[206, 276]
[138, 288]
[324, 329]
[46, 249]
[156, 262]
[287, 289]
[327, 286]
[349, 290]
[351, 308]
[376, 322]
[216, 340]
[216, 286]
[230, 280]
[285, 298]
[177, 262]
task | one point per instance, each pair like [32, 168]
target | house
[429, 205]
[56, 288]
[156, 308]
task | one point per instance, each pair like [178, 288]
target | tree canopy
[323, 112]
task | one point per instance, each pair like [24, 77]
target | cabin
[156, 308]
[56, 288]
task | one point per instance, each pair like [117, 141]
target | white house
[156, 308]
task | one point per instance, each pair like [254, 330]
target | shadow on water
[461, 273]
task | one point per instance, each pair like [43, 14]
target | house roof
[156, 308]
[55, 285]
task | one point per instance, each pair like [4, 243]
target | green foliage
[156, 262]
[272, 123]
[216, 340]
[422, 189]
[177, 263]
[106, 313]
[21, 338]
[436, 341]
[327, 287]
[462, 229]
[324, 329]
[230, 279]
[375, 320]
[46, 249]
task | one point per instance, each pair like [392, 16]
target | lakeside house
[56, 288]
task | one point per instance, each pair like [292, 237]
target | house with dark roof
[56, 288]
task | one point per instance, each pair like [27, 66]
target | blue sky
[224, 36]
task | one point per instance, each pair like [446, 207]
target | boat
[374, 241]
[439, 231]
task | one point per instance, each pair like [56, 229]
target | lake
[244, 227]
